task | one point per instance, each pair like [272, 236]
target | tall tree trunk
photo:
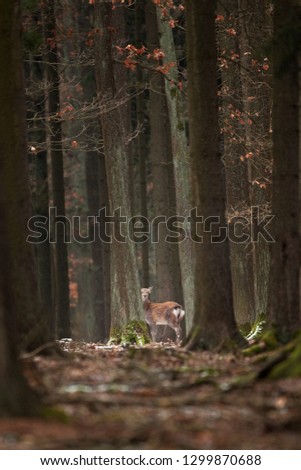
[141, 144]
[255, 28]
[22, 325]
[214, 323]
[17, 275]
[19, 299]
[167, 273]
[100, 269]
[73, 72]
[236, 169]
[284, 298]
[180, 160]
[40, 189]
[57, 173]
[104, 204]
[125, 292]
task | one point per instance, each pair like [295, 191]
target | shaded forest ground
[155, 398]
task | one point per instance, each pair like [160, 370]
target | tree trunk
[74, 81]
[255, 28]
[125, 292]
[20, 318]
[40, 191]
[15, 205]
[180, 161]
[99, 267]
[236, 169]
[57, 172]
[283, 304]
[141, 145]
[214, 323]
[167, 273]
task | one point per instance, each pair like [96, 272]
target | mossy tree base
[223, 343]
[134, 332]
[268, 340]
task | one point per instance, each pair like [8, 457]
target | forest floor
[156, 397]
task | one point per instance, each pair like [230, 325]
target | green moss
[135, 332]
[256, 348]
[267, 341]
[115, 336]
[50, 412]
[291, 366]
[270, 340]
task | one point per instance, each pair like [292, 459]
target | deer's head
[145, 293]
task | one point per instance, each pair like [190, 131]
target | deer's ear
[150, 288]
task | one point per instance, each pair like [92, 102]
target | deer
[164, 313]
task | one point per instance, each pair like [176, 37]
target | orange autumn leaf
[219, 18]
[231, 32]
[158, 54]
[130, 63]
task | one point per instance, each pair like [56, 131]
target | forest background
[145, 112]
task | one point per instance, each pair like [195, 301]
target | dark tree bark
[96, 185]
[20, 324]
[41, 189]
[61, 278]
[284, 298]
[214, 323]
[15, 205]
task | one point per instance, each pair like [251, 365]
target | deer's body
[163, 313]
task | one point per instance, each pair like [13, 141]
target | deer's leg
[178, 331]
[153, 331]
